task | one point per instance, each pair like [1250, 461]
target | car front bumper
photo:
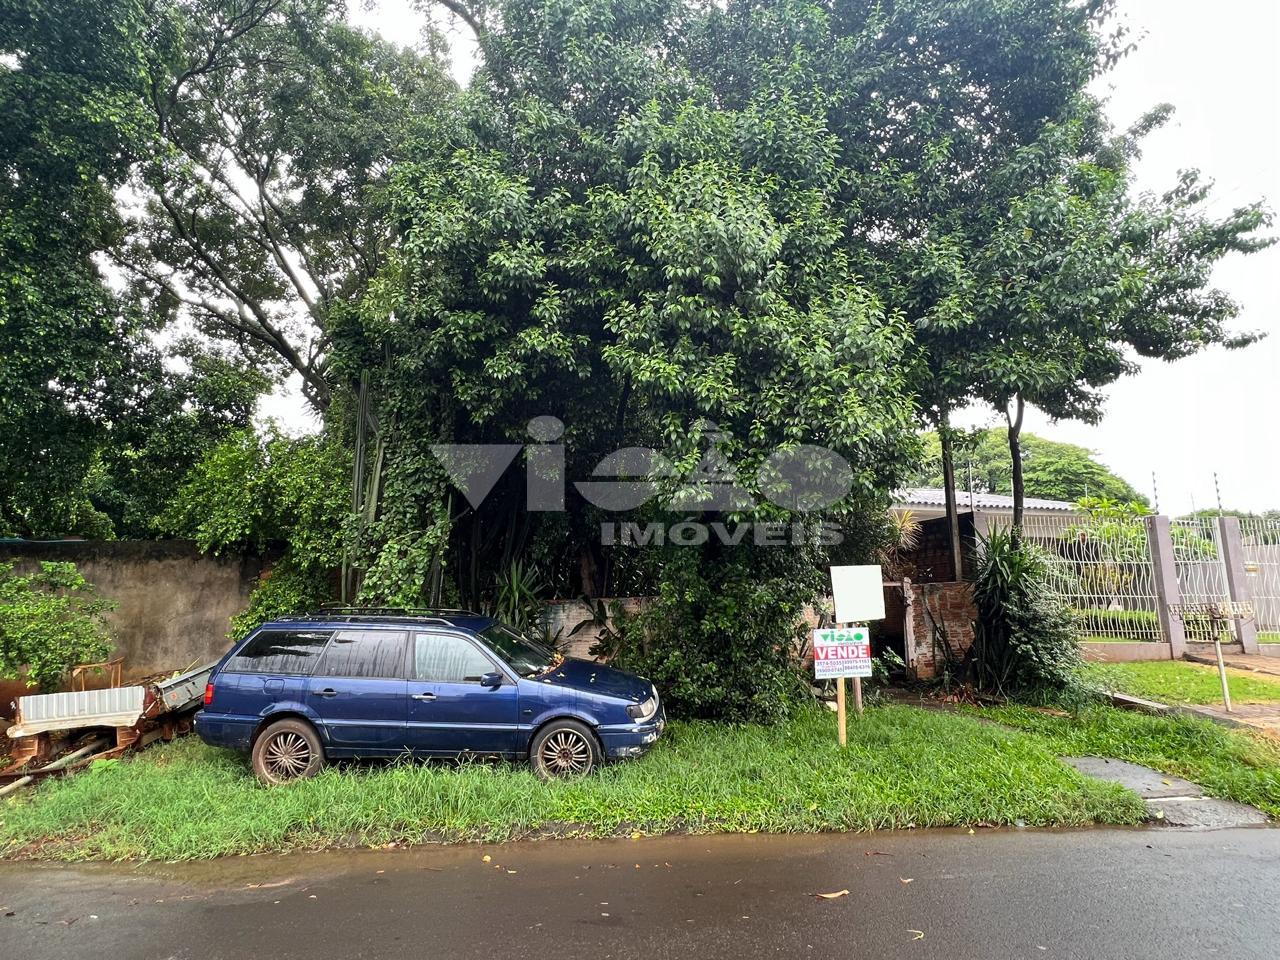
[621, 743]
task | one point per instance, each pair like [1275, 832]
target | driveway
[1089, 894]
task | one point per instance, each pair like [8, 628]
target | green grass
[903, 767]
[1179, 682]
[1269, 636]
[1227, 763]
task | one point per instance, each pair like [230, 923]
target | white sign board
[841, 652]
[858, 593]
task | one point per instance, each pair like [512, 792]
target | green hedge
[1138, 624]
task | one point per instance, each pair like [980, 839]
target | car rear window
[364, 653]
[280, 651]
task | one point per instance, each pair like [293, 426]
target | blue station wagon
[300, 691]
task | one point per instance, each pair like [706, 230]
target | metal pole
[1222, 667]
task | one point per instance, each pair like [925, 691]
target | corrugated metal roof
[112, 707]
[937, 497]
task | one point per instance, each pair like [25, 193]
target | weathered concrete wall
[174, 604]
[1126, 652]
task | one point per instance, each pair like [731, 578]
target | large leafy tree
[1051, 469]
[595, 236]
[71, 123]
[256, 216]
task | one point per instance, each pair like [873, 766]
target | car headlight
[643, 711]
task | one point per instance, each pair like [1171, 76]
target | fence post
[1237, 580]
[1160, 542]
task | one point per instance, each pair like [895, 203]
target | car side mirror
[493, 680]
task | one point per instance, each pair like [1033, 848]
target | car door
[450, 710]
[359, 691]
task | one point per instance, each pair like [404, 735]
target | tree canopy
[1052, 470]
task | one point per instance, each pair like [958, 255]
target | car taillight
[208, 693]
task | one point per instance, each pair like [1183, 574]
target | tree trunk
[1015, 455]
[949, 486]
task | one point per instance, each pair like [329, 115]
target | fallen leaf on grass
[906, 879]
[832, 896]
[919, 934]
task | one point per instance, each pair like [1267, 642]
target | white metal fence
[1260, 538]
[1101, 569]
[1199, 561]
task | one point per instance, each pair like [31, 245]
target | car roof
[464, 620]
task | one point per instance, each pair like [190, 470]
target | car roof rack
[328, 608]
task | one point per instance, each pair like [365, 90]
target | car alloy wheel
[287, 755]
[566, 752]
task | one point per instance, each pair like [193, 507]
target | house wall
[174, 604]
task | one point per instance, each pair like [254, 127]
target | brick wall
[948, 605]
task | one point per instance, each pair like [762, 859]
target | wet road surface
[1089, 894]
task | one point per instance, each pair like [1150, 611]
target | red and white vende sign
[841, 652]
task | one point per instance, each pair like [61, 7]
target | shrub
[720, 639]
[1120, 623]
[1024, 642]
[50, 621]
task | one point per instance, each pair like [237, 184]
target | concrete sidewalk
[928, 895]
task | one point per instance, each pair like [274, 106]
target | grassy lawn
[1227, 763]
[903, 767]
[1179, 682]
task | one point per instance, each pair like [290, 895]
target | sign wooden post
[840, 652]
[840, 714]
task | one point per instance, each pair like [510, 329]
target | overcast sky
[1217, 63]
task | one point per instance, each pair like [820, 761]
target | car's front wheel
[287, 750]
[564, 748]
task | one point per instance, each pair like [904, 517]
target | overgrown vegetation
[902, 768]
[1024, 642]
[253, 493]
[50, 621]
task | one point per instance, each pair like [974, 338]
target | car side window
[445, 658]
[365, 654]
[281, 651]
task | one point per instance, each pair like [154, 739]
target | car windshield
[526, 657]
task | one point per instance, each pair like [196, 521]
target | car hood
[592, 677]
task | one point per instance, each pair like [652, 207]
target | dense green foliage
[902, 768]
[70, 120]
[1023, 641]
[50, 621]
[1051, 470]
[721, 638]
[251, 493]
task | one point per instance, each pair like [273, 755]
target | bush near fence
[1133, 625]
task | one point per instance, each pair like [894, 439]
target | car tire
[564, 748]
[287, 750]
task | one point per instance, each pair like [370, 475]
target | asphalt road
[1153, 893]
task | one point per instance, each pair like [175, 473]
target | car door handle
[423, 696]
[327, 692]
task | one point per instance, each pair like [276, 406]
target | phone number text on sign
[841, 653]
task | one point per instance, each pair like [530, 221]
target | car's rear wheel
[287, 750]
[564, 748]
